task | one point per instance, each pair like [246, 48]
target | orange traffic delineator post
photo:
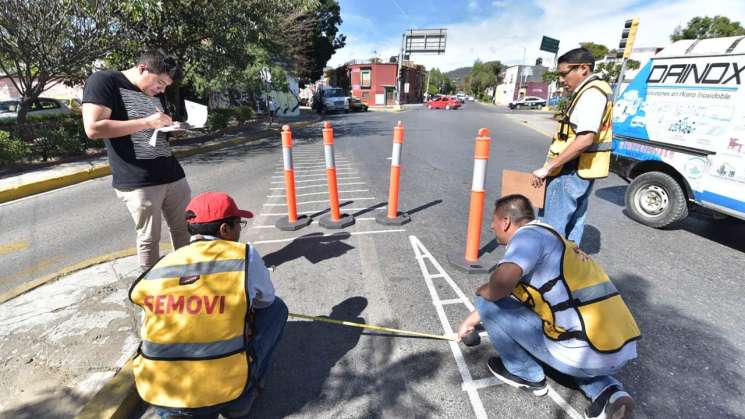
[292, 222]
[334, 220]
[392, 216]
[470, 262]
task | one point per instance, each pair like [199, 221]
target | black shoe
[497, 368]
[612, 403]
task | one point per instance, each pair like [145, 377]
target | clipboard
[514, 182]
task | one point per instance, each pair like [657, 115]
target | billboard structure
[419, 41]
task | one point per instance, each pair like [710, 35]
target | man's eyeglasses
[571, 68]
[243, 223]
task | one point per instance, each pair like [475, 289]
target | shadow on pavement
[591, 240]
[315, 247]
[301, 379]
[424, 207]
[612, 194]
[728, 232]
[686, 367]
[53, 404]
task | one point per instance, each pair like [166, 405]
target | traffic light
[627, 38]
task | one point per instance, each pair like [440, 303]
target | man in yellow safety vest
[549, 302]
[212, 319]
[580, 150]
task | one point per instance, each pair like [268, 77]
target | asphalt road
[684, 284]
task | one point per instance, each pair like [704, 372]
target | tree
[610, 70]
[707, 27]
[598, 51]
[43, 42]
[225, 44]
[483, 76]
[439, 83]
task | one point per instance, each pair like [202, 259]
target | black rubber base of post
[472, 339]
[400, 220]
[481, 266]
[284, 223]
[345, 220]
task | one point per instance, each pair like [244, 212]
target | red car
[444, 102]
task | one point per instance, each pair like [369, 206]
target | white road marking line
[342, 209]
[319, 170]
[310, 164]
[473, 395]
[318, 186]
[452, 301]
[301, 176]
[556, 397]
[319, 179]
[353, 233]
[469, 385]
[315, 193]
[356, 219]
[323, 201]
[481, 383]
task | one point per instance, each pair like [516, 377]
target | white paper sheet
[197, 117]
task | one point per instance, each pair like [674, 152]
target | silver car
[41, 106]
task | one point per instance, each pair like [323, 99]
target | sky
[511, 31]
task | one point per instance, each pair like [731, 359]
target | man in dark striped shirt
[124, 108]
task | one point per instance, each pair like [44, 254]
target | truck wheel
[656, 199]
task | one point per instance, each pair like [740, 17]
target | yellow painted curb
[54, 183]
[105, 170]
[117, 399]
[28, 286]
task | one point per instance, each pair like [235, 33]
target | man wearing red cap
[212, 320]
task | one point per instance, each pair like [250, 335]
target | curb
[28, 286]
[101, 170]
[117, 399]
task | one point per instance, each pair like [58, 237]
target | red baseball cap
[212, 206]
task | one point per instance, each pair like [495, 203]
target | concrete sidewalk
[15, 186]
[64, 341]
[539, 121]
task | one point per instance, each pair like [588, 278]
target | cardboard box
[520, 183]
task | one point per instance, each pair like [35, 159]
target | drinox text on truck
[679, 132]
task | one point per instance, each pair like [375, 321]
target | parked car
[461, 97]
[471, 98]
[42, 106]
[444, 102]
[530, 102]
[356, 104]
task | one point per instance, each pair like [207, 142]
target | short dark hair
[578, 56]
[209, 229]
[516, 207]
[158, 62]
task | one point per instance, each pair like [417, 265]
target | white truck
[329, 99]
[679, 132]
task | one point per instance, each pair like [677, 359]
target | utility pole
[628, 36]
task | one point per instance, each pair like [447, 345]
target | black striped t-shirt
[134, 162]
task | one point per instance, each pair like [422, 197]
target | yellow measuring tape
[453, 337]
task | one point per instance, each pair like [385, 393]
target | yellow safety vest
[194, 338]
[594, 161]
[581, 295]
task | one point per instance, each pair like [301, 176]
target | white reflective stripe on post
[396, 155]
[328, 150]
[479, 175]
[287, 158]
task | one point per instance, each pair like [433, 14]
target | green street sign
[549, 44]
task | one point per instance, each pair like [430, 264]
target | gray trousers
[146, 205]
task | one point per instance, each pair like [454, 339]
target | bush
[243, 113]
[219, 118]
[12, 150]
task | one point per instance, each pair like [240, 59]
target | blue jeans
[517, 334]
[565, 209]
[269, 323]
